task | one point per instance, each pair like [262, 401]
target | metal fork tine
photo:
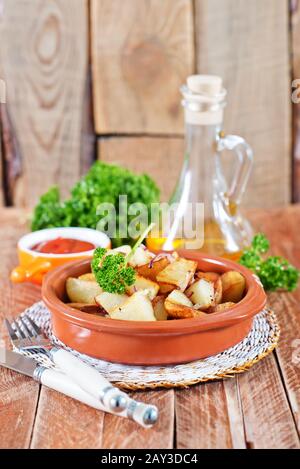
[11, 332]
[37, 330]
[19, 331]
[27, 332]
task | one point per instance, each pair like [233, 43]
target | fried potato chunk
[82, 291]
[137, 307]
[221, 307]
[142, 283]
[179, 273]
[151, 270]
[202, 294]
[159, 309]
[176, 296]
[109, 301]
[215, 278]
[209, 276]
[140, 257]
[233, 285]
[90, 309]
[179, 306]
[165, 288]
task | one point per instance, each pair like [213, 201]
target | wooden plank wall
[138, 53]
[249, 47]
[44, 61]
[138, 67]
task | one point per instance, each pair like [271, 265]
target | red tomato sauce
[63, 246]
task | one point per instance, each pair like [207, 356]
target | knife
[144, 414]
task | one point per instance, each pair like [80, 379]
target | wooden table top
[257, 409]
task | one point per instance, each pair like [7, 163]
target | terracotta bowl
[152, 343]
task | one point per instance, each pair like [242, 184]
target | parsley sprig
[275, 272]
[112, 271]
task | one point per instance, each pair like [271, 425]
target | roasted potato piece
[152, 270]
[88, 277]
[216, 280]
[159, 309]
[90, 309]
[178, 306]
[110, 301]
[82, 291]
[233, 285]
[218, 291]
[142, 283]
[176, 296]
[141, 257]
[221, 307]
[178, 273]
[176, 311]
[138, 307]
[209, 276]
[202, 294]
[165, 288]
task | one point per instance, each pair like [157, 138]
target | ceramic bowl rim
[253, 302]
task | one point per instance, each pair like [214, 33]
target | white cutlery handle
[62, 383]
[144, 414]
[89, 379]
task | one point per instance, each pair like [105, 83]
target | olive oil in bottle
[222, 230]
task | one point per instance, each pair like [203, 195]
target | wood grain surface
[247, 43]
[142, 52]
[44, 58]
[18, 394]
[267, 416]
[125, 434]
[202, 418]
[235, 413]
[283, 232]
[295, 45]
[62, 422]
[161, 158]
[257, 409]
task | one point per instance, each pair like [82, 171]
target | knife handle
[144, 414]
[62, 383]
[90, 380]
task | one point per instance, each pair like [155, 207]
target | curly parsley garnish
[275, 272]
[112, 271]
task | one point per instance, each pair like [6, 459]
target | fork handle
[64, 384]
[89, 379]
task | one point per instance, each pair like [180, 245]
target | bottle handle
[239, 182]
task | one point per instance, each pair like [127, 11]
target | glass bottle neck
[200, 140]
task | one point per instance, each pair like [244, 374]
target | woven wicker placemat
[261, 340]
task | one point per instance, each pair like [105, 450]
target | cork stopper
[210, 85]
[203, 100]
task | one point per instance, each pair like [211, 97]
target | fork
[87, 378]
[90, 380]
